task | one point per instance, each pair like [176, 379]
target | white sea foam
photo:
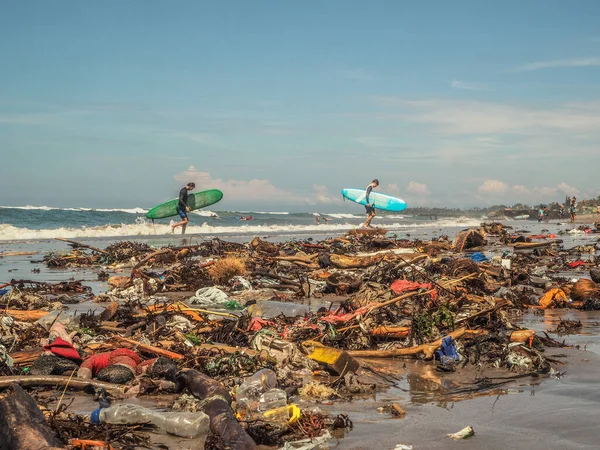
[52, 208]
[343, 216]
[12, 233]
[206, 213]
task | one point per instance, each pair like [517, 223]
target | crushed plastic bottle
[178, 423]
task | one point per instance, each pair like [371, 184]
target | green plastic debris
[232, 304]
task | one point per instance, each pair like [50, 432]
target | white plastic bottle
[179, 423]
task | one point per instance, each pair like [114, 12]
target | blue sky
[282, 104]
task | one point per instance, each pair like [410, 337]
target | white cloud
[255, 190]
[574, 62]
[493, 187]
[419, 189]
[235, 190]
[322, 195]
[569, 190]
[520, 190]
[457, 84]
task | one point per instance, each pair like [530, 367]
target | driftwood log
[22, 424]
[355, 262]
[217, 405]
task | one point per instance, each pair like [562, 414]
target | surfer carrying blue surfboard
[183, 208]
[370, 208]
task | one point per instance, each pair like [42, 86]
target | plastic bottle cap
[95, 416]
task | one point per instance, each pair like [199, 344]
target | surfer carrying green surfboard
[183, 208]
[370, 209]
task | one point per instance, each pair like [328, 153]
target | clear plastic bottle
[272, 399]
[249, 392]
[178, 423]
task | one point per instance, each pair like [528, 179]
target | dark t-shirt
[183, 195]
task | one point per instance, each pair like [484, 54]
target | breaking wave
[12, 233]
[53, 208]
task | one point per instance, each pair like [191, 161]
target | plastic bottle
[272, 399]
[179, 423]
[248, 393]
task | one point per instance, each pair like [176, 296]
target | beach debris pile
[250, 341]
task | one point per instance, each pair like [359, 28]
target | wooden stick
[2, 255]
[25, 315]
[176, 307]
[426, 349]
[78, 244]
[398, 332]
[150, 348]
[58, 380]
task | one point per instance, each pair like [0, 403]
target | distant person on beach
[573, 209]
[183, 208]
[540, 215]
[326, 220]
[546, 214]
[370, 209]
[317, 219]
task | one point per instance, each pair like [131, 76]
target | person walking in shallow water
[573, 209]
[183, 208]
[370, 209]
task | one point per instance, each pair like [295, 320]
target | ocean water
[42, 222]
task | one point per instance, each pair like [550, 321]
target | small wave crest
[199, 212]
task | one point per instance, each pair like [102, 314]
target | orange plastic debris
[554, 297]
[87, 443]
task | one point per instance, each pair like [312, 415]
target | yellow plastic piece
[325, 355]
[292, 411]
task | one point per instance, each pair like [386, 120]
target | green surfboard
[195, 201]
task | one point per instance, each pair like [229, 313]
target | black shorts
[370, 210]
[182, 214]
